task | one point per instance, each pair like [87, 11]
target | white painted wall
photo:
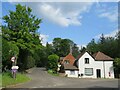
[109, 68]
[95, 65]
[68, 73]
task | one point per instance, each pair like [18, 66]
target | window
[89, 71]
[66, 62]
[86, 60]
[72, 72]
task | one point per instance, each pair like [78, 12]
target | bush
[53, 72]
[52, 62]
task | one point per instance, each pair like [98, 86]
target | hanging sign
[15, 67]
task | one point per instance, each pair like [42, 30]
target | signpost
[14, 67]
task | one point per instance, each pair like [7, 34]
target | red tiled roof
[101, 56]
[70, 58]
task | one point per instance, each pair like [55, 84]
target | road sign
[13, 59]
[15, 67]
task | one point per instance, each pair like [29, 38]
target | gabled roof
[70, 67]
[70, 58]
[101, 56]
[80, 55]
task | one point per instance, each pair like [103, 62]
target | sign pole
[14, 67]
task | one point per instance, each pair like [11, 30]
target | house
[67, 66]
[69, 59]
[86, 65]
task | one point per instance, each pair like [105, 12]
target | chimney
[70, 49]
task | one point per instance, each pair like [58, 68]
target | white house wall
[68, 73]
[82, 65]
[110, 69]
[95, 65]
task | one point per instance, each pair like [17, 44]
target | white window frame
[89, 71]
[87, 61]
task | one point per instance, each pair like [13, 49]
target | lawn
[8, 80]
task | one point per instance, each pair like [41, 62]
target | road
[41, 79]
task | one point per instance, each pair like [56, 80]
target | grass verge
[53, 73]
[8, 80]
[0, 80]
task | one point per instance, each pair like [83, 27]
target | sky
[78, 21]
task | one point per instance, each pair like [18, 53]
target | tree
[62, 47]
[20, 29]
[57, 45]
[41, 57]
[9, 50]
[102, 39]
[92, 46]
[75, 50]
[50, 49]
[53, 62]
[83, 49]
[117, 66]
[118, 43]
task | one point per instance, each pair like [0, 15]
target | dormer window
[86, 60]
[66, 62]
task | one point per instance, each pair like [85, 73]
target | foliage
[62, 47]
[30, 62]
[92, 46]
[109, 46]
[117, 64]
[52, 72]
[20, 29]
[0, 79]
[9, 50]
[8, 80]
[52, 62]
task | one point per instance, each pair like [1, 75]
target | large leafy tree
[20, 29]
[62, 47]
[9, 49]
[92, 46]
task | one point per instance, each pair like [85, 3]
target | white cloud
[64, 14]
[60, 13]
[110, 13]
[111, 34]
[53, 15]
[43, 39]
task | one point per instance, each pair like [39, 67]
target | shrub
[52, 62]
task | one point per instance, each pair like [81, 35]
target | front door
[98, 72]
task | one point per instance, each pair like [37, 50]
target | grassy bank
[8, 80]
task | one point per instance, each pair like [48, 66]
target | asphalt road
[41, 79]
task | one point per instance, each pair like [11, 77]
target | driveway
[41, 79]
